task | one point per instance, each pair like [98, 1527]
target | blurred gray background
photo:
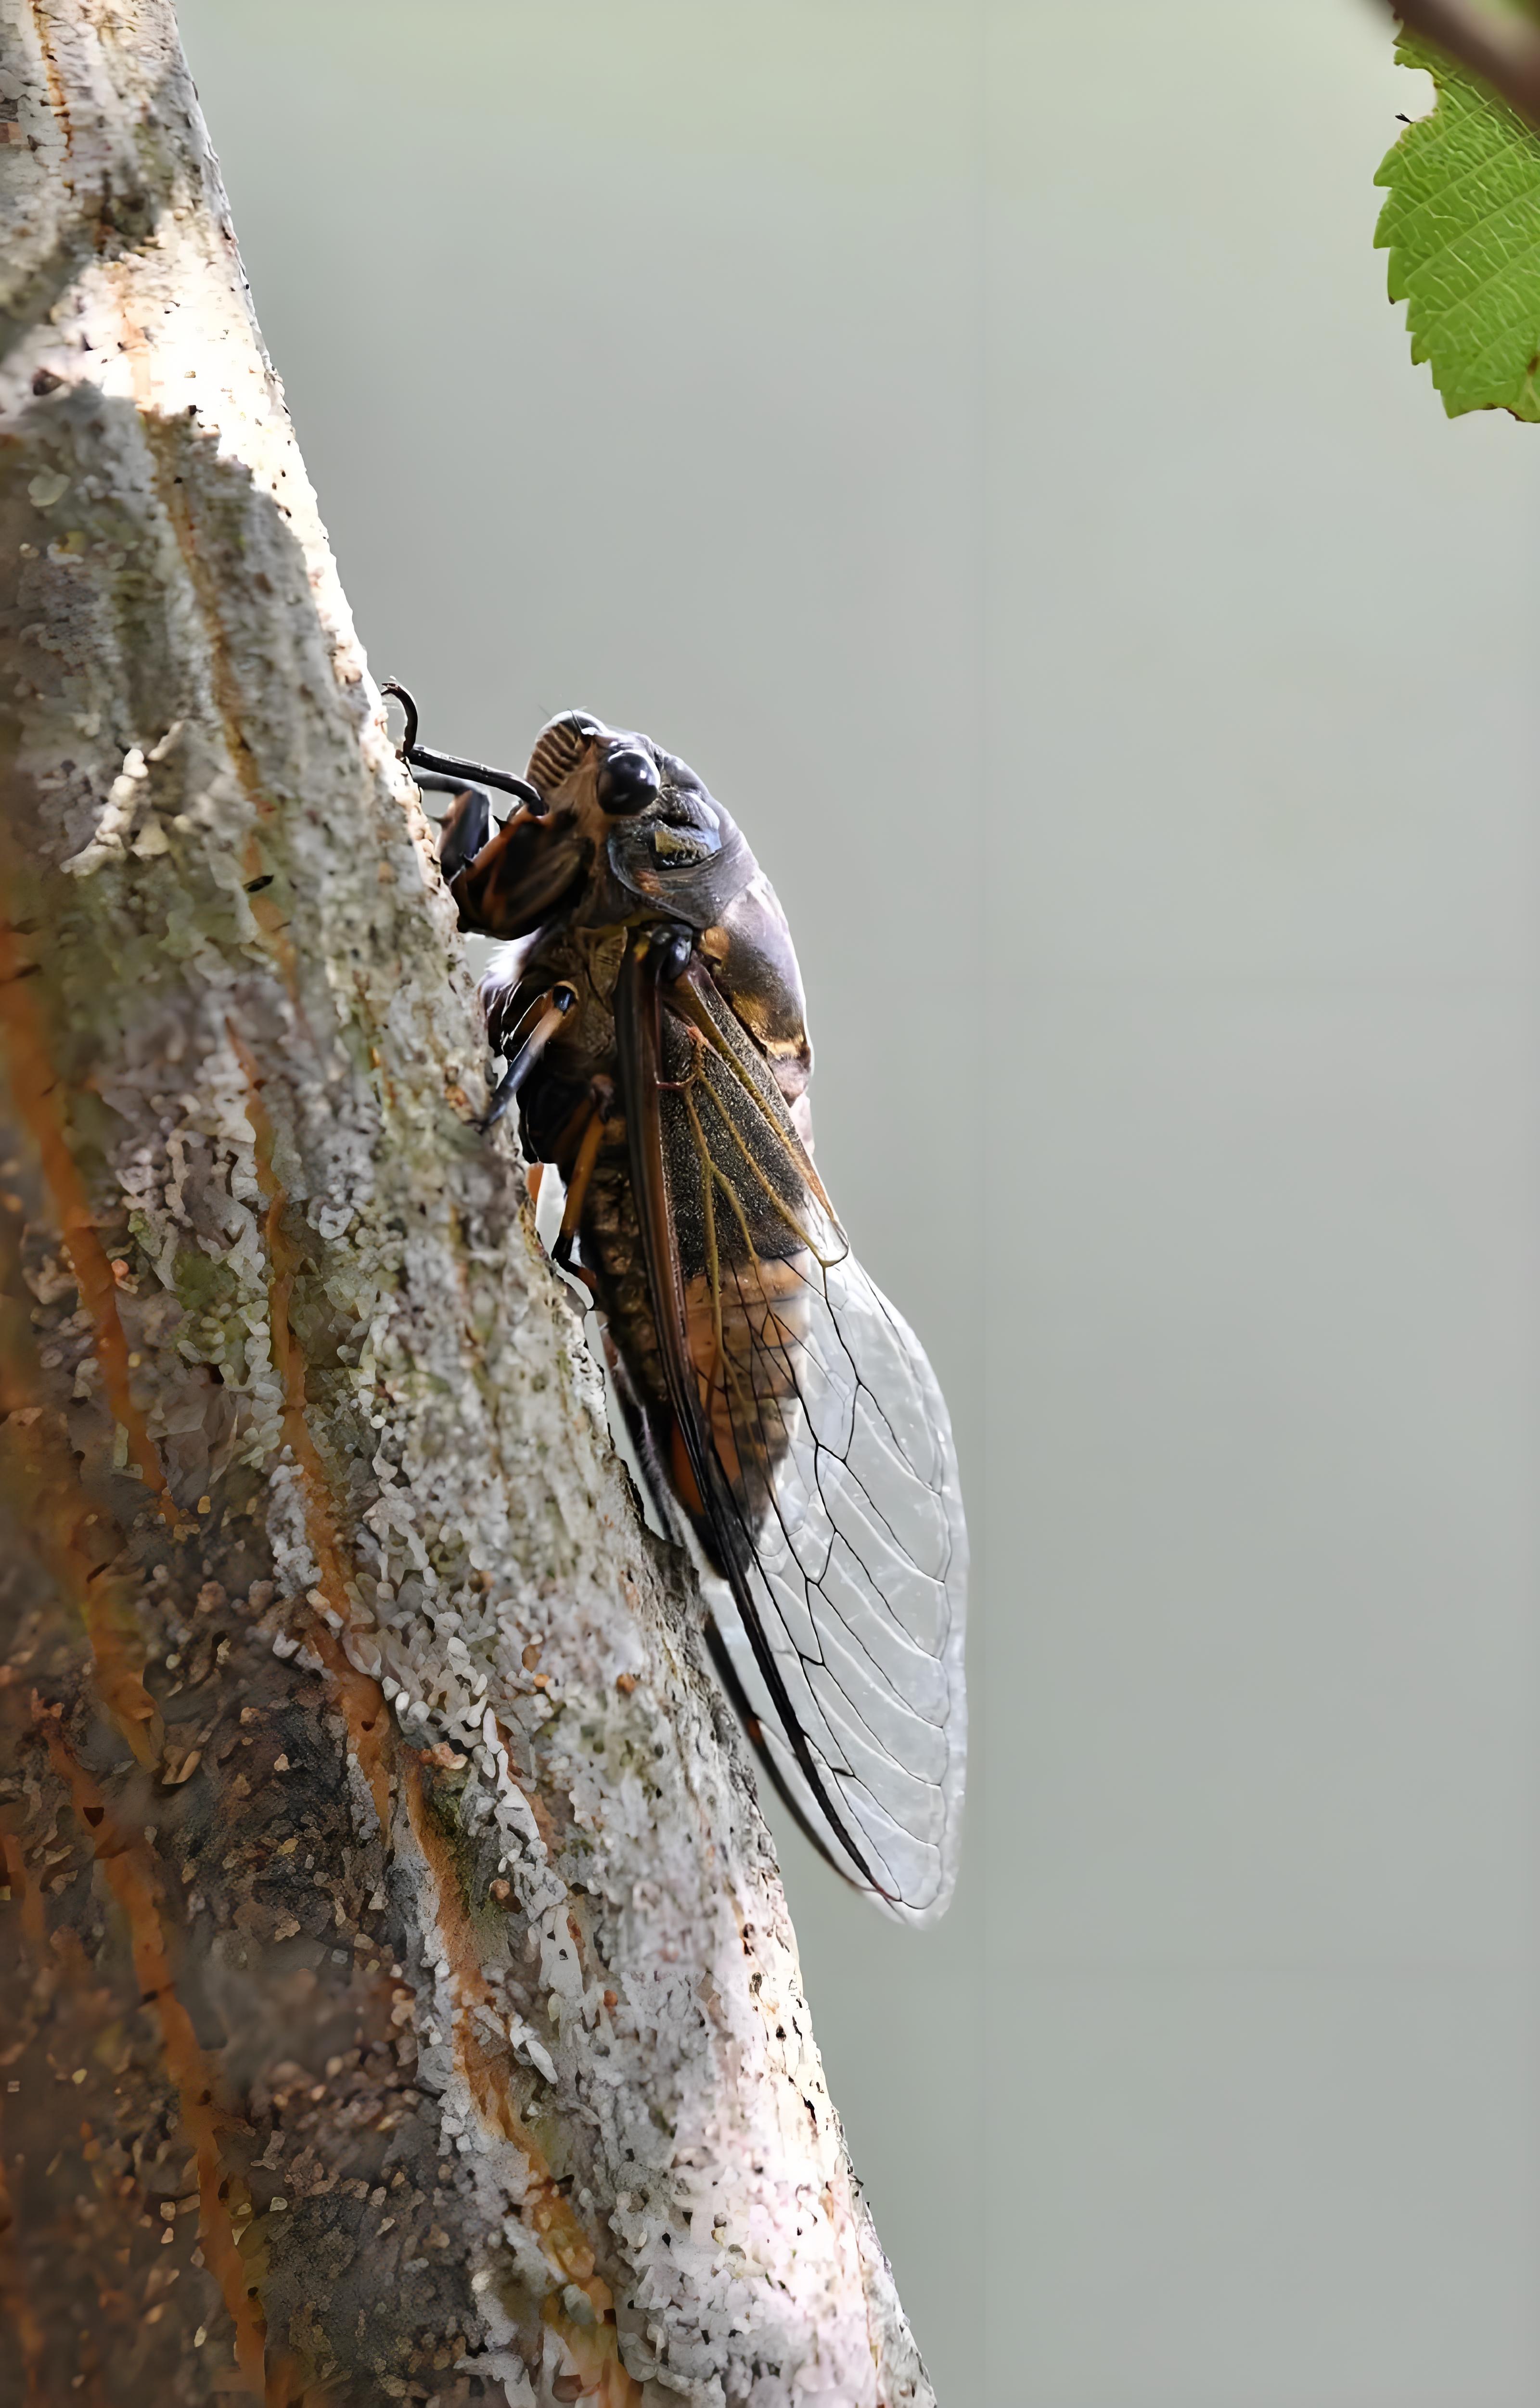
[976, 438]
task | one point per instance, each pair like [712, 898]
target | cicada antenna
[470, 773]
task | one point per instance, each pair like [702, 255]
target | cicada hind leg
[467, 825]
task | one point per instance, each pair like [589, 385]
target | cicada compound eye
[628, 781]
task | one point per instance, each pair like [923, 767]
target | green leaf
[1462, 228]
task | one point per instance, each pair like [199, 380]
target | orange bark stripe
[362, 1700]
[166, 439]
[265, 912]
[128, 1867]
[25, 1892]
[76, 1538]
[34, 1086]
[71, 1537]
[568, 2251]
[13, 2294]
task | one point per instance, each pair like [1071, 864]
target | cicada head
[578, 762]
[666, 840]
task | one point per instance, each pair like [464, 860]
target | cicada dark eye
[627, 781]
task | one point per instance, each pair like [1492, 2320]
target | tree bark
[398, 1998]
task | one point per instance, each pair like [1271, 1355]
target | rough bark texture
[396, 1994]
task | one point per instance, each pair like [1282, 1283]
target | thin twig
[1502, 52]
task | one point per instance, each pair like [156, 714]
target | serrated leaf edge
[1525, 403]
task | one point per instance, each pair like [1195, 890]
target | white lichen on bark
[339, 1446]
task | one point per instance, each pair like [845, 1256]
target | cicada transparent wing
[813, 1452]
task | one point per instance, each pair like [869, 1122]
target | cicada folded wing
[818, 1449]
[857, 1579]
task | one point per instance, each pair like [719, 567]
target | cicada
[648, 1008]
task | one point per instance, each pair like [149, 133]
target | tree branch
[399, 1998]
[1502, 52]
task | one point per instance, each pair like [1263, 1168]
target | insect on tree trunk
[398, 1998]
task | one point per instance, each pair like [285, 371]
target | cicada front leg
[465, 826]
[505, 884]
[520, 879]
